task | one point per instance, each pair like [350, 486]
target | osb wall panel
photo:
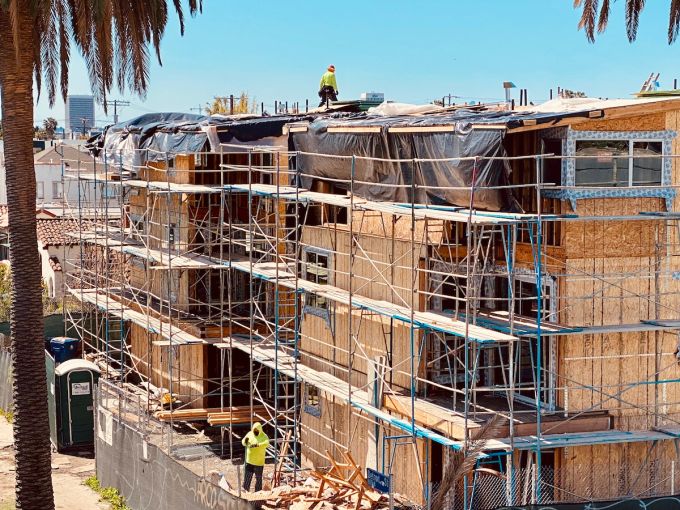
[653, 122]
[189, 367]
[401, 226]
[607, 471]
[673, 123]
[375, 336]
[382, 268]
[181, 173]
[612, 291]
[603, 238]
[329, 432]
[623, 367]
[163, 210]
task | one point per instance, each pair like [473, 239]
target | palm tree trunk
[31, 426]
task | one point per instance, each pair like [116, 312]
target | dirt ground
[68, 473]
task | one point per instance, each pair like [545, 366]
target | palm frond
[460, 464]
[633, 10]
[674, 21]
[114, 37]
[589, 18]
[47, 43]
[604, 16]
[180, 15]
[64, 48]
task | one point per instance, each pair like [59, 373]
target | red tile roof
[55, 264]
[53, 232]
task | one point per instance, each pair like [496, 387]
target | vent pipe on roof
[507, 85]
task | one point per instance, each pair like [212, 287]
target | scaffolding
[209, 275]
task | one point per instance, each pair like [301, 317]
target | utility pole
[116, 103]
[199, 109]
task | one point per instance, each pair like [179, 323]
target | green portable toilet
[70, 394]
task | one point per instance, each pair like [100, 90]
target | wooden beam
[422, 129]
[566, 426]
[431, 416]
[616, 112]
[354, 129]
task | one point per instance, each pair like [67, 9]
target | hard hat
[331, 68]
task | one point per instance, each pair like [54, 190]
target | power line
[116, 103]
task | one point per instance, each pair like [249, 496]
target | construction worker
[256, 442]
[328, 88]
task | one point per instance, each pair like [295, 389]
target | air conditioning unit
[373, 97]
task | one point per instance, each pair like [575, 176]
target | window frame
[313, 409]
[550, 293]
[572, 193]
[325, 312]
[135, 232]
[57, 190]
[631, 160]
[40, 190]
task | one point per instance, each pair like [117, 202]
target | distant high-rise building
[79, 114]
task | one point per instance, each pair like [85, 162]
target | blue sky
[413, 51]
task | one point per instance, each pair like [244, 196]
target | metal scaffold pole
[350, 314]
[539, 313]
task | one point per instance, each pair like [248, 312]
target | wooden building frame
[433, 315]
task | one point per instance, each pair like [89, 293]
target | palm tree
[114, 37]
[223, 104]
[595, 15]
[50, 126]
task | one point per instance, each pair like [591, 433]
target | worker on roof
[256, 442]
[328, 88]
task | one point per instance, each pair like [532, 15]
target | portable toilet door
[75, 382]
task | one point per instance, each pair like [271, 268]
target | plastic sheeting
[381, 180]
[389, 109]
[157, 136]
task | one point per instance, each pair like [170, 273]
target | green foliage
[50, 305]
[49, 126]
[222, 105]
[108, 494]
[93, 483]
[5, 292]
[7, 415]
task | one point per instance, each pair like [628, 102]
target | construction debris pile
[343, 486]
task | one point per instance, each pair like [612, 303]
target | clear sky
[413, 51]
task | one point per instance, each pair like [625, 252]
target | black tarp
[380, 180]
[156, 136]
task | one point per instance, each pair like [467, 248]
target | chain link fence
[487, 490]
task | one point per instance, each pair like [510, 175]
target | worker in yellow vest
[256, 442]
[328, 88]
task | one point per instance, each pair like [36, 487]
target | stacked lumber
[234, 416]
[342, 487]
[205, 414]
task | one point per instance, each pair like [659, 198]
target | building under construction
[467, 283]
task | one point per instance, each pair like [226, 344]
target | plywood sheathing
[375, 279]
[653, 122]
[189, 378]
[329, 432]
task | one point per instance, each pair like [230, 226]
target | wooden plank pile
[213, 415]
[342, 487]
[235, 416]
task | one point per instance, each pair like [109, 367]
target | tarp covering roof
[154, 136]
[412, 141]
[392, 166]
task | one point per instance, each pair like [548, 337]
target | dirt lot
[68, 473]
